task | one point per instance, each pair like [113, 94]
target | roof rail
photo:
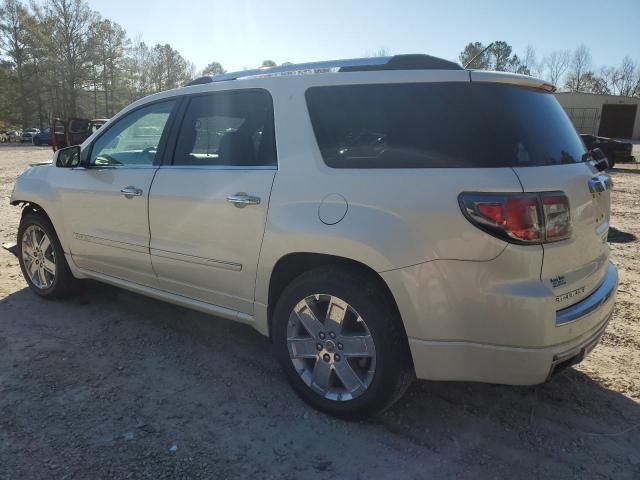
[396, 62]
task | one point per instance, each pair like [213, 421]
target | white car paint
[474, 306]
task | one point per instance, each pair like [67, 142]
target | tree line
[60, 58]
[571, 71]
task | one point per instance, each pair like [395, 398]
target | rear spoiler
[510, 78]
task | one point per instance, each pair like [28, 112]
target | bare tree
[530, 61]
[555, 66]
[627, 79]
[380, 52]
[579, 67]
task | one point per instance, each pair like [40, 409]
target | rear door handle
[131, 192]
[241, 199]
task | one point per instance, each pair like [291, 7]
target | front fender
[33, 186]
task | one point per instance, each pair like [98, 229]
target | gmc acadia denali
[379, 219]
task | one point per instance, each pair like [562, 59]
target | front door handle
[131, 192]
[241, 199]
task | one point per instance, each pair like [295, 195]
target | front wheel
[340, 342]
[41, 258]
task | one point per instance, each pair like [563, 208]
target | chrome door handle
[131, 192]
[241, 199]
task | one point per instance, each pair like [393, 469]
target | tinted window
[134, 139]
[228, 128]
[440, 125]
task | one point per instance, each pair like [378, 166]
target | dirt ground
[115, 385]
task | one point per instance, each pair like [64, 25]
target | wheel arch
[292, 265]
[29, 206]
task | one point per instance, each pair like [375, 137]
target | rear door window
[440, 125]
[232, 128]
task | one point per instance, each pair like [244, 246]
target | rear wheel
[341, 343]
[42, 259]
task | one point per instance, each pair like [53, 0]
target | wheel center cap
[329, 346]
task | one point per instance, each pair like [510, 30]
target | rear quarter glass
[441, 125]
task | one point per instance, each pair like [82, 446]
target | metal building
[603, 115]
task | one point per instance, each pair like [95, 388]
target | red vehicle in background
[74, 131]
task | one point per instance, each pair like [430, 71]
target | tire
[58, 281]
[361, 296]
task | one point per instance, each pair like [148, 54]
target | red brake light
[520, 217]
[523, 221]
[493, 211]
[547, 87]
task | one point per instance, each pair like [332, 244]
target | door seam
[153, 269]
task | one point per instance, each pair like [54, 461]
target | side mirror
[67, 157]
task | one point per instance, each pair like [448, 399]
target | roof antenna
[470, 62]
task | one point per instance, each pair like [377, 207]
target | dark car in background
[43, 137]
[615, 150]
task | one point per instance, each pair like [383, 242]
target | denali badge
[568, 295]
[557, 281]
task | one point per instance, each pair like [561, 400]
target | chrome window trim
[219, 167]
[118, 167]
[600, 295]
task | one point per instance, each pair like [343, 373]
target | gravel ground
[114, 385]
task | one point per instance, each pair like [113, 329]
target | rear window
[441, 125]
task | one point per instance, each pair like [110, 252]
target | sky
[242, 33]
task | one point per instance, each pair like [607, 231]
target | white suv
[378, 219]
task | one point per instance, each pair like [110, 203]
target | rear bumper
[514, 336]
[593, 302]
[496, 364]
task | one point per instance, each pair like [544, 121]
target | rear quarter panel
[395, 217]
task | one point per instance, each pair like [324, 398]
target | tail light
[520, 217]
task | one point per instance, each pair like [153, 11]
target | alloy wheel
[331, 347]
[38, 257]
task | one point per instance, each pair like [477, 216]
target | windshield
[441, 125]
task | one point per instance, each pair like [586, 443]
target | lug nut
[326, 357]
[332, 335]
[337, 357]
[322, 336]
[319, 346]
[340, 346]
